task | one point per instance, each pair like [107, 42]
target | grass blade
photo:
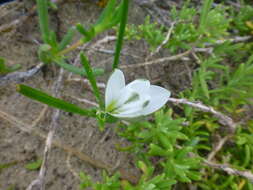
[77, 70]
[107, 11]
[67, 38]
[42, 6]
[92, 79]
[204, 12]
[52, 101]
[123, 22]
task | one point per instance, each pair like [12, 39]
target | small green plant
[108, 183]
[5, 69]
[34, 165]
[245, 14]
[161, 139]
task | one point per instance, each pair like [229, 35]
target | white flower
[138, 98]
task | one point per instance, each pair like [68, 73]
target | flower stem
[92, 80]
[122, 27]
[71, 48]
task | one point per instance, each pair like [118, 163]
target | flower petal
[115, 83]
[141, 86]
[135, 106]
[125, 95]
[126, 116]
[159, 96]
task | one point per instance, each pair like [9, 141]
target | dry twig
[18, 77]
[223, 119]
[170, 58]
[218, 147]
[165, 41]
[231, 171]
[99, 84]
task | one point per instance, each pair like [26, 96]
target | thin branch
[83, 100]
[167, 38]
[231, 171]
[236, 39]
[148, 63]
[41, 115]
[223, 119]
[100, 84]
[18, 77]
[218, 147]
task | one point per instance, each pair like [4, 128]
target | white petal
[132, 115]
[159, 96]
[115, 83]
[124, 95]
[134, 107]
[141, 86]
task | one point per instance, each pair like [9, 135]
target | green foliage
[92, 79]
[223, 79]
[108, 183]
[152, 33]
[34, 165]
[5, 69]
[42, 7]
[7, 165]
[203, 23]
[52, 101]
[11, 187]
[149, 181]
[161, 139]
[123, 22]
[245, 14]
[53, 51]
[67, 38]
[186, 32]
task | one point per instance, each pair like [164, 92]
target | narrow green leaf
[52, 40]
[7, 165]
[11, 187]
[34, 165]
[122, 27]
[155, 150]
[77, 70]
[5, 69]
[52, 101]
[203, 84]
[165, 142]
[42, 7]
[92, 79]
[2, 65]
[107, 11]
[67, 38]
[89, 34]
[204, 13]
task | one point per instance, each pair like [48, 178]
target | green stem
[122, 27]
[92, 79]
[42, 7]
